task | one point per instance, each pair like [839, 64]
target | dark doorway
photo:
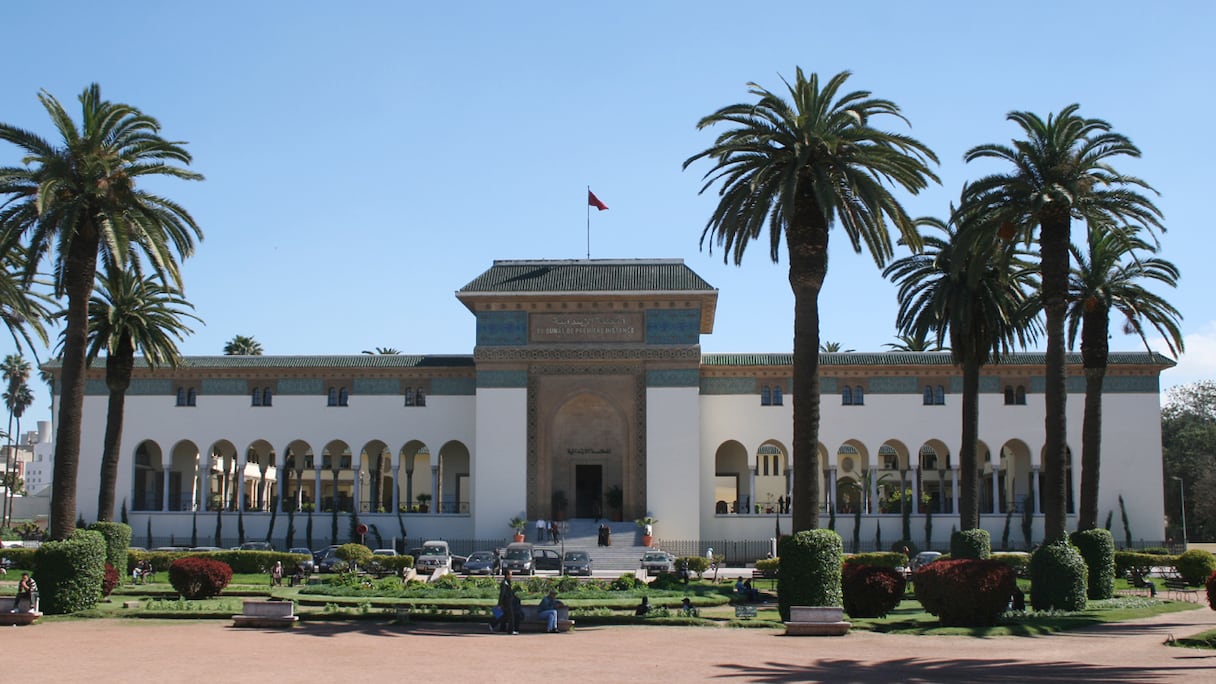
[588, 491]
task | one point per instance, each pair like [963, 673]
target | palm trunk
[119, 365]
[968, 461]
[807, 238]
[79, 272]
[1054, 239]
[1094, 352]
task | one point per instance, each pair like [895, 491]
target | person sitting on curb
[547, 609]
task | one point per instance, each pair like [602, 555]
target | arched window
[927, 399]
[939, 396]
[181, 396]
[343, 397]
[778, 398]
[267, 396]
[1009, 395]
[859, 396]
[846, 396]
[333, 397]
[766, 399]
[1021, 396]
[256, 398]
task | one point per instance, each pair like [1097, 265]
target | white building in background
[588, 394]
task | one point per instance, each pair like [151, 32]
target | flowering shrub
[871, 590]
[196, 578]
[965, 593]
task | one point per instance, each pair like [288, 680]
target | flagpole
[588, 224]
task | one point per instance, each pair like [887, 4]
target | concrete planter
[816, 621]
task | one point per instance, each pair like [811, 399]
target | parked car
[481, 563]
[658, 561]
[374, 566]
[576, 563]
[256, 546]
[200, 549]
[517, 558]
[922, 559]
[330, 562]
[307, 564]
[546, 559]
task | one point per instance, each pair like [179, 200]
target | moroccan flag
[594, 201]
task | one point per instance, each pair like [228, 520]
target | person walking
[509, 605]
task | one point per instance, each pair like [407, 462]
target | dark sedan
[576, 563]
[481, 563]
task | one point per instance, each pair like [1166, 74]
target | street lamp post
[1182, 501]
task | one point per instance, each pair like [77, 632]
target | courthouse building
[588, 395]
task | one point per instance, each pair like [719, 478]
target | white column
[1034, 489]
[396, 488]
[316, 490]
[915, 502]
[356, 485]
[832, 490]
[164, 500]
[436, 500]
[751, 490]
[954, 489]
[996, 490]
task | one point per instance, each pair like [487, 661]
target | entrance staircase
[582, 534]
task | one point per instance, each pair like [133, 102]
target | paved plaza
[193, 651]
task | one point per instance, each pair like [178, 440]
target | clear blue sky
[364, 161]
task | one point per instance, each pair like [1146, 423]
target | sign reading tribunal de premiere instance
[583, 327]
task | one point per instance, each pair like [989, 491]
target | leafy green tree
[1108, 276]
[78, 200]
[798, 166]
[242, 345]
[1188, 441]
[1061, 172]
[127, 314]
[981, 299]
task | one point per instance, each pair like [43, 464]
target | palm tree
[22, 310]
[1060, 173]
[1102, 281]
[15, 370]
[128, 314]
[833, 348]
[17, 400]
[799, 166]
[387, 351]
[915, 343]
[79, 199]
[981, 300]
[242, 345]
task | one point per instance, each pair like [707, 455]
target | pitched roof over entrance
[632, 276]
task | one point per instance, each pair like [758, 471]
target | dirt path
[165, 651]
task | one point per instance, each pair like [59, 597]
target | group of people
[686, 608]
[27, 592]
[509, 612]
[746, 591]
[547, 529]
[142, 572]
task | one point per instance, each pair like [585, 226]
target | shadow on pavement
[922, 670]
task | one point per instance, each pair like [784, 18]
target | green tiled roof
[924, 359]
[342, 361]
[588, 275]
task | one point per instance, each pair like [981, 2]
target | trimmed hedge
[70, 572]
[1058, 577]
[1097, 548]
[769, 565]
[810, 570]
[1018, 562]
[883, 559]
[198, 578]
[22, 558]
[1196, 566]
[118, 539]
[1127, 561]
[975, 544]
[871, 590]
[243, 562]
[965, 593]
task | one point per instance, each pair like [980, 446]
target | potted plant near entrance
[424, 503]
[518, 523]
[646, 524]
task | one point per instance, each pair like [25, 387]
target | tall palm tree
[75, 201]
[127, 314]
[1061, 172]
[23, 310]
[243, 345]
[1101, 281]
[15, 370]
[799, 166]
[981, 300]
[833, 348]
[17, 400]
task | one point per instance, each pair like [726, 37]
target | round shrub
[810, 570]
[975, 544]
[354, 554]
[696, 565]
[769, 565]
[70, 572]
[110, 581]
[1058, 577]
[965, 593]
[118, 540]
[1195, 566]
[1097, 548]
[871, 590]
[197, 578]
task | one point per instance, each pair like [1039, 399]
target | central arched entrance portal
[586, 459]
